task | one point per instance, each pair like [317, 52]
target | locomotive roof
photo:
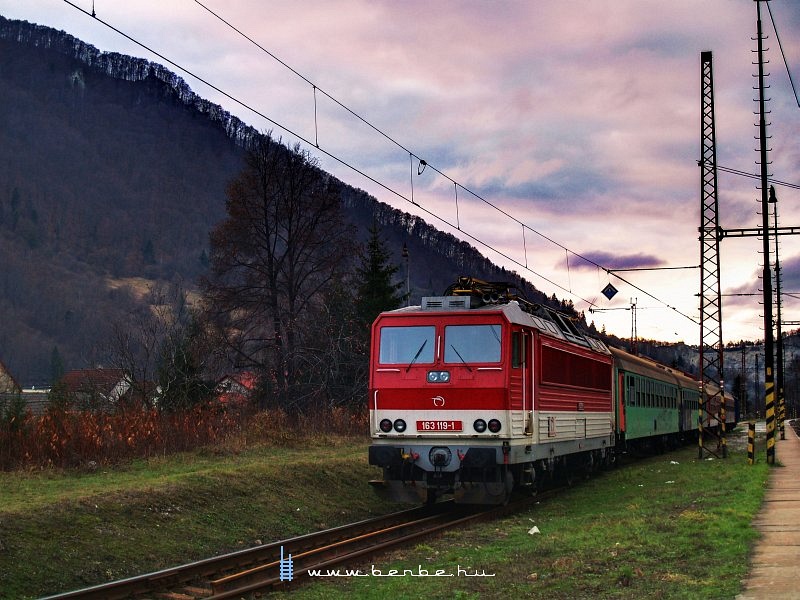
[550, 323]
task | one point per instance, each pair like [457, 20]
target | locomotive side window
[472, 344]
[565, 368]
[516, 350]
[406, 345]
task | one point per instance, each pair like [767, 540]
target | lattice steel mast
[711, 348]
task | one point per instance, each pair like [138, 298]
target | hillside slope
[112, 173]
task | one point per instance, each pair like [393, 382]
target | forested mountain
[112, 174]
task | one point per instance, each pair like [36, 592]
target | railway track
[285, 562]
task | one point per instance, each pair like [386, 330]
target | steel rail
[243, 572]
[215, 566]
[355, 548]
[221, 583]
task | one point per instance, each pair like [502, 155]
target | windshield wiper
[416, 356]
[461, 357]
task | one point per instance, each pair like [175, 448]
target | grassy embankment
[67, 530]
[652, 529]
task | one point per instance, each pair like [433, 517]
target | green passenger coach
[656, 406]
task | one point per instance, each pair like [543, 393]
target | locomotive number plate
[439, 426]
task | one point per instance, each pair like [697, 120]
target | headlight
[494, 425]
[479, 425]
[438, 376]
[386, 425]
[399, 426]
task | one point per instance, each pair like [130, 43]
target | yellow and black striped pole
[751, 443]
[769, 387]
[722, 440]
[701, 406]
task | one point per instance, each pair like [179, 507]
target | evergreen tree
[15, 201]
[148, 253]
[56, 366]
[376, 290]
[336, 369]
[180, 369]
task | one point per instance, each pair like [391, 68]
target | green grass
[648, 530]
[67, 530]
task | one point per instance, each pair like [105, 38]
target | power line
[654, 269]
[786, 64]
[386, 187]
[327, 153]
[424, 163]
[754, 176]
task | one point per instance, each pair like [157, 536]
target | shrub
[70, 438]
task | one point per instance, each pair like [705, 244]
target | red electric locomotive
[479, 391]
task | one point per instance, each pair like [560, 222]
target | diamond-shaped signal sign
[610, 291]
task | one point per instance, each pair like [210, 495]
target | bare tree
[282, 245]
[136, 340]
[161, 343]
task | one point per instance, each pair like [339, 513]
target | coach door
[520, 389]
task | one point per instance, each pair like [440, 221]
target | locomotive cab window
[407, 345]
[472, 344]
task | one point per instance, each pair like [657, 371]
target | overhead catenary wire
[456, 183]
[773, 181]
[783, 54]
[338, 159]
[327, 153]
[381, 184]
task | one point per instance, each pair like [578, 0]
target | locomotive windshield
[472, 344]
[407, 345]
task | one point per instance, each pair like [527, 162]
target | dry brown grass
[69, 438]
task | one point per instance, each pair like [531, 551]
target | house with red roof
[94, 388]
[236, 388]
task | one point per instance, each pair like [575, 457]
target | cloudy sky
[579, 119]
